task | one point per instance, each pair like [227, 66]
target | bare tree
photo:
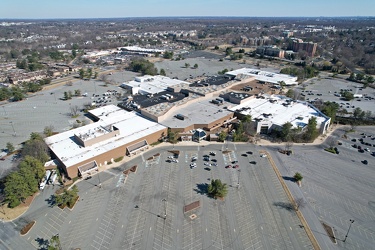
[288, 145]
[299, 203]
[331, 142]
[103, 78]
[74, 110]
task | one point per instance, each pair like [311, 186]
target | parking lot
[328, 89]
[338, 188]
[145, 209]
[46, 108]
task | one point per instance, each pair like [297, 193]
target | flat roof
[130, 124]
[152, 84]
[275, 109]
[201, 111]
[265, 76]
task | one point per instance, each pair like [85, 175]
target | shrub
[14, 203]
[118, 159]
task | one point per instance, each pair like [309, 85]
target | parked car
[228, 166]
[236, 166]
[263, 155]
[365, 162]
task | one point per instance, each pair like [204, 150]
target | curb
[306, 226]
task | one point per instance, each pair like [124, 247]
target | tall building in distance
[309, 47]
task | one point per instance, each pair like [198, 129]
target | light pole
[238, 181]
[14, 132]
[165, 208]
[346, 236]
[5, 112]
[100, 184]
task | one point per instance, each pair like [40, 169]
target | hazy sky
[151, 8]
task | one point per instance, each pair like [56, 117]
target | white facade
[145, 85]
[273, 111]
[264, 76]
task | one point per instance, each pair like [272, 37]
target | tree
[89, 73]
[54, 243]
[352, 76]
[298, 177]
[222, 136]
[217, 189]
[35, 166]
[74, 110]
[300, 203]
[68, 197]
[17, 95]
[330, 109]
[357, 112]
[195, 66]
[162, 72]
[81, 73]
[286, 131]
[15, 190]
[168, 54]
[290, 93]
[187, 65]
[143, 66]
[370, 79]
[311, 130]
[172, 136]
[359, 77]
[23, 183]
[66, 95]
[37, 149]
[48, 130]
[77, 92]
[347, 95]
[228, 51]
[10, 147]
[216, 47]
[35, 136]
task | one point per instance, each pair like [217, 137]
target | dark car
[253, 162]
[365, 162]
[228, 166]
[244, 155]
[249, 152]
[236, 166]
[354, 140]
[234, 162]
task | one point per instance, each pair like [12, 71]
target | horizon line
[150, 17]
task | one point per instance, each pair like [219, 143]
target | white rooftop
[130, 124]
[297, 113]
[265, 76]
[201, 111]
[139, 49]
[151, 84]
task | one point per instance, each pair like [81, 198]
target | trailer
[53, 178]
[44, 182]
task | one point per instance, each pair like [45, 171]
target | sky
[45, 9]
